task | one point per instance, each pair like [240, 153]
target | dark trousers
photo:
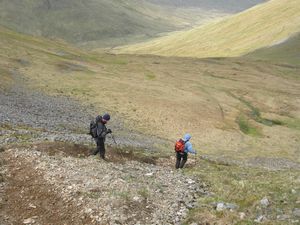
[100, 147]
[180, 160]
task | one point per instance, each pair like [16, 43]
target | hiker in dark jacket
[102, 131]
[181, 158]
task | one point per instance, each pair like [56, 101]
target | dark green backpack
[93, 127]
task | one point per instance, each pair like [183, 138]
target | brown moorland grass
[170, 96]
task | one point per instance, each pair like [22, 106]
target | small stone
[149, 174]
[259, 219]
[88, 211]
[136, 199]
[220, 206]
[242, 215]
[32, 206]
[29, 221]
[265, 202]
[190, 181]
[293, 191]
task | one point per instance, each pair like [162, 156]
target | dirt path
[27, 198]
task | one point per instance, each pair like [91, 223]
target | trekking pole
[112, 136]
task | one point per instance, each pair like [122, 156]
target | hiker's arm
[190, 149]
[100, 131]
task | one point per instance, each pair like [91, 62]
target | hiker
[182, 148]
[100, 133]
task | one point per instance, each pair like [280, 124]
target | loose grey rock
[296, 212]
[220, 206]
[231, 206]
[260, 219]
[29, 221]
[283, 217]
[265, 202]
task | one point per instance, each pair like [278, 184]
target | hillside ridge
[261, 26]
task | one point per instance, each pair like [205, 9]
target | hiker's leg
[178, 159]
[97, 148]
[102, 148]
[184, 159]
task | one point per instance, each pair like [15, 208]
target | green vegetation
[102, 23]
[201, 86]
[245, 187]
[247, 128]
[150, 75]
[256, 115]
[261, 26]
[292, 123]
[286, 52]
[144, 193]
[185, 95]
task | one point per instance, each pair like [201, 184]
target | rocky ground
[49, 177]
[58, 118]
[57, 188]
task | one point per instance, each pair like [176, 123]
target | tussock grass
[247, 128]
[261, 26]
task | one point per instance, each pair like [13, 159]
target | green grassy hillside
[97, 23]
[261, 26]
[237, 110]
[287, 51]
[236, 106]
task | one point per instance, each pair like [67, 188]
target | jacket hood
[187, 137]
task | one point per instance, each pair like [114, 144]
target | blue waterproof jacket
[188, 147]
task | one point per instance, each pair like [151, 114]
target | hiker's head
[105, 118]
[187, 137]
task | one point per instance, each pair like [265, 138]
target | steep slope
[260, 26]
[217, 100]
[108, 22]
[103, 23]
[287, 51]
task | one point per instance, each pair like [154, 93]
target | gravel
[113, 193]
[60, 118]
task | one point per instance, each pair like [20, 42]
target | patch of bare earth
[27, 198]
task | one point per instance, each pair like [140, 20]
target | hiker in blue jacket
[181, 158]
